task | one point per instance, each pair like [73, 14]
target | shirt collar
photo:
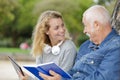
[108, 38]
[93, 46]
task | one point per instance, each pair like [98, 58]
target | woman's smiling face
[56, 30]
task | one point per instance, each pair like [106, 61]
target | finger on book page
[53, 77]
[53, 73]
[58, 77]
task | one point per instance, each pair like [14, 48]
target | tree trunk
[116, 16]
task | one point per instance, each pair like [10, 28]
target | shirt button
[92, 62]
[77, 72]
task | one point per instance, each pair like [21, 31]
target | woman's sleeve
[39, 59]
[68, 57]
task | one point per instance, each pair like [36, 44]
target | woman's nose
[62, 29]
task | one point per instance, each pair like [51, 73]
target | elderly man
[99, 57]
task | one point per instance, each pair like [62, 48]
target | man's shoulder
[115, 39]
[113, 43]
[118, 37]
[87, 42]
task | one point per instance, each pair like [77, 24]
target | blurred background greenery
[18, 18]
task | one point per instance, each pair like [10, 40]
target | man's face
[90, 30]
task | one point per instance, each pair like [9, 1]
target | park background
[19, 17]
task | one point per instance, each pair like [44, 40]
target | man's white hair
[97, 13]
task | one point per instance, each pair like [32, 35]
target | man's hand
[54, 76]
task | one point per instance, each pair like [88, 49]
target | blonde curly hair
[39, 36]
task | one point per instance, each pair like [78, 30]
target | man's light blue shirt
[98, 62]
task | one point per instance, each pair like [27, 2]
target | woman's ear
[46, 32]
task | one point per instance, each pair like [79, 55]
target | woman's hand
[25, 77]
[54, 76]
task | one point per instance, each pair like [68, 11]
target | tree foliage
[18, 17]
[6, 8]
[116, 16]
[17, 20]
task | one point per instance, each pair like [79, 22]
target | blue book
[44, 68]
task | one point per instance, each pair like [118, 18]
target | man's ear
[96, 24]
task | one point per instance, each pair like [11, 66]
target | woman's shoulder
[69, 43]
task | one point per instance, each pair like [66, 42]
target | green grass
[14, 50]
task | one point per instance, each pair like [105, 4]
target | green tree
[24, 22]
[7, 16]
[16, 20]
[6, 13]
[6, 8]
[25, 14]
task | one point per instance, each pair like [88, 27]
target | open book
[16, 66]
[44, 68]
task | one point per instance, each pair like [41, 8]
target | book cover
[16, 66]
[44, 68]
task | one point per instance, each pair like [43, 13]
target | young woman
[51, 41]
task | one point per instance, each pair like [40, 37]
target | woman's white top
[65, 59]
